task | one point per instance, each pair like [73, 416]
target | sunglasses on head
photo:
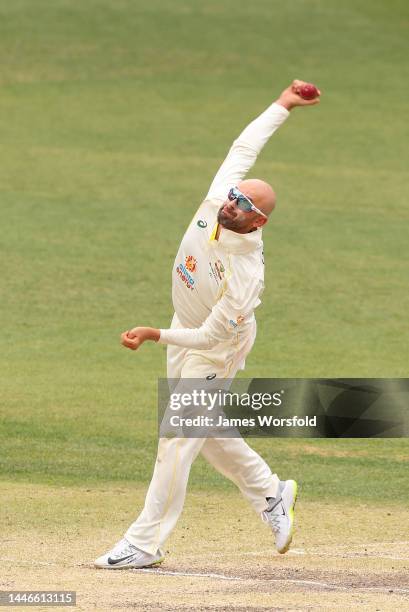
[243, 202]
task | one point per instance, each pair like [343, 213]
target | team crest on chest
[217, 270]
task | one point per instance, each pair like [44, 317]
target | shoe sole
[130, 566]
[285, 549]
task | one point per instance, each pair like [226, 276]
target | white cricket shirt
[217, 284]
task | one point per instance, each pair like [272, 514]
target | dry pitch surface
[221, 557]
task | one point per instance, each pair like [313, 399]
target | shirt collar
[233, 242]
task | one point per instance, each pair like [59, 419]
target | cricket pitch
[220, 557]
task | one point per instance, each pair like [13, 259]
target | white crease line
[325, 585]
[238, 578]
[148, 570]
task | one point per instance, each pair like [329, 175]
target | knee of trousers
[183, 448]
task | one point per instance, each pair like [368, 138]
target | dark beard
[227, 222]
[234, 225]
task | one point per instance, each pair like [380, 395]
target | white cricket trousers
[232, 457]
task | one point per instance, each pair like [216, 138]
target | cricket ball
[309, 91]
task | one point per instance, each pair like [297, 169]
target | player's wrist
[152, 334]
[286, 103]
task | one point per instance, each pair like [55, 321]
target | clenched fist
[133, 338]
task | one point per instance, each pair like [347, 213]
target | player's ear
[260, 221]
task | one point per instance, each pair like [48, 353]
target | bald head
[260, 193]
[233, 218]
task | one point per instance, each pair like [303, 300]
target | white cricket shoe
[280, 515]
[126, 555]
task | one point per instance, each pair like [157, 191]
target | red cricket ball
[309, 91]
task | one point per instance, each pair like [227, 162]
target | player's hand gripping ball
[309, 91]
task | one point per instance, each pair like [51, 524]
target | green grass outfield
[114, 116]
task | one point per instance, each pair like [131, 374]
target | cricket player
[217, 281]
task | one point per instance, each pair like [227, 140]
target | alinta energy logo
[190, 263]
[184, 271]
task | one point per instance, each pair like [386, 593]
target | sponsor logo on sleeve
[184, 271]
